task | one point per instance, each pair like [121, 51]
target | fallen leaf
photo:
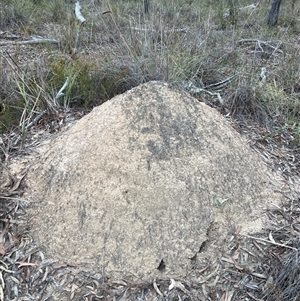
[2, 249]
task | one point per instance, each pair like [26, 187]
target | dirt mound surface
[143, 183]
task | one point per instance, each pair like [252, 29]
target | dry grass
[179, 41]
[118, 48]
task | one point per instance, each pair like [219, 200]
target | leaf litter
[264, 266]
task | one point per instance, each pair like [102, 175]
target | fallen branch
[33, 41]
[184, 30]
[9, 36]
[248, 7]
[261, 43]
[36, 119]
[216, 86]
[193, 89]
[270, 242]
[78, 13]
[251, 6]
[221, 84]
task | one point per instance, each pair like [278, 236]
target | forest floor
[54, 69]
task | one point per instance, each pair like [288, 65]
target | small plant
[89, 84]
[10, 115]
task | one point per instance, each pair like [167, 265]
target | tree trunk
[274, 11]
[146, 6]
[232, 4]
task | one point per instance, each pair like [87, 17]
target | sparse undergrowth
[198, 43]
[222, 52]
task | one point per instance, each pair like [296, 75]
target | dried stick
[33, 41]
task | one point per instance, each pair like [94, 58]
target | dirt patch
[149, 183]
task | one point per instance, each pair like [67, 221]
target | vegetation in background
[191, 43]
[222, 52]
